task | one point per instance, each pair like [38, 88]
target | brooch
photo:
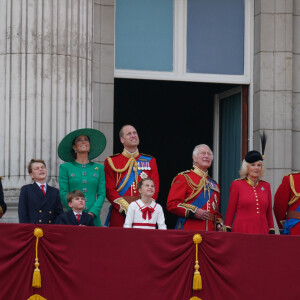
[143, 175]
[96, 168]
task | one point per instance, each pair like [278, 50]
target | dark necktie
[43, 189]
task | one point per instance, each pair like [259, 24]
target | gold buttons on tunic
[40, 211]
[50, 212]
[256, 198]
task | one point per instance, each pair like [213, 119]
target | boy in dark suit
[39, 202]
[75, 216]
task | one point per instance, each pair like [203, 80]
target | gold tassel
[36, 297]
[197, 281]
[195, 298]
[36, 279]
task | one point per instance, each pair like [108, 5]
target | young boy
[145, 212]
[39, 202]
[75, 216]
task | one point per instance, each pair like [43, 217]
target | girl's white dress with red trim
[141, 216]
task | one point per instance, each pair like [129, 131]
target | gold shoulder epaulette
[146, 155]
[291, 173]
[181, 173]
[0, 177]
[238, 179]
[184, 172]
[263, 180]
[115, 155]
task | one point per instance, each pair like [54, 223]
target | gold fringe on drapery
[197, 281]
[195, 298]
[36, 279]
[36, 297]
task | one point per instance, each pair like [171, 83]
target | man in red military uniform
[287, 204]
[123, 172]
[194, 197]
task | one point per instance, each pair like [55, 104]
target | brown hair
[140, 183]
[73, 194]
[29, 167]
[73, 153]
[121, 133]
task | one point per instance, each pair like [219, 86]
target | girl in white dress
[145, 212]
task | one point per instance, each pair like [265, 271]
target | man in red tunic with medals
[123, 172]
[287, 204]
[195, 197]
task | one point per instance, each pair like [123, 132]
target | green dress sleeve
[64, 186]
[101, 191]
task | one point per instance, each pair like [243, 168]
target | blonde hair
[244, 169]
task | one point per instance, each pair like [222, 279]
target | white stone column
[46, 52]
[103, 77]
[296, 86]
[273, 77]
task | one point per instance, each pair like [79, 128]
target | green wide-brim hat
[97, 143]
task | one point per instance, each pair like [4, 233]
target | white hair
[196, 150]
[244, 169]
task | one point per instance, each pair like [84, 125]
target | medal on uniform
[213, 205]
[262, 188]
[143, 175]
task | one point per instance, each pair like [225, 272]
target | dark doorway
[171, 119]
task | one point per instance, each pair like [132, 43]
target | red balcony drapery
[115, 263]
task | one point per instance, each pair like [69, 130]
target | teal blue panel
[230, 145]
[144, 35]
[215, 36]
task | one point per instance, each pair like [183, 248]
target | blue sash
[130, 181]
[199, 202]
[290, 224]
[131, 178]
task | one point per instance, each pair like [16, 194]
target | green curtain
[230, 145]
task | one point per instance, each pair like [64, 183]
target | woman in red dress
[250, 199]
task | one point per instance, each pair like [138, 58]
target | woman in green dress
[77, 149]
